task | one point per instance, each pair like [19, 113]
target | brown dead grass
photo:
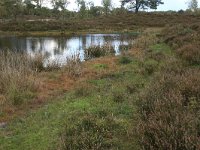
[55, 84]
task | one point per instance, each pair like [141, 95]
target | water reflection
[58, 48]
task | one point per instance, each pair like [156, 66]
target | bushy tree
[82, 7]
[39, 3]
[106, 5]
[193, 5]
[94, 10]
[11, 7]
[60, 4]
[29, 6]
[142, 4]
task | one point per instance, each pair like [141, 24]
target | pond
[58, 48]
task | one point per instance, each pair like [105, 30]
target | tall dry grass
[17, 77]
[73, 65]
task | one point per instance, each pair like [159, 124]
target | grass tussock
[99, 51]
[38, 62]
[17, 77]
[73, 65]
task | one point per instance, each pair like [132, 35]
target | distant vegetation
[58, 8]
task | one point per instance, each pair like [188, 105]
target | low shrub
[150, 66]
[119, 96]
[180, 35]
[169, 111]
[90, 132]
[99, 51]
[190, 53]
[124, 60]
[132, 88]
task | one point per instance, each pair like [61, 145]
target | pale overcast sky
[168, 4]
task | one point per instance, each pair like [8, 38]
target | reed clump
[99, 51]
[73, 65]
[17, 77]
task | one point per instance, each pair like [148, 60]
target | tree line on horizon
[14, 8]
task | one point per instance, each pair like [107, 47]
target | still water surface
[58, 48]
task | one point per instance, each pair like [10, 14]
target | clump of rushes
[17, 77]
[73, 65]
[38, 62]
[99, 51]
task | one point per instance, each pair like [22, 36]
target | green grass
[109, 104]
[161, 47]
[100, 66]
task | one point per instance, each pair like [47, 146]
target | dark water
[58, 48]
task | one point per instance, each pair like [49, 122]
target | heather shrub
[150, 66]
[179, 35]
[169, 111]
[190, 53]
[90, 132]
[125, 60]
[119, 96]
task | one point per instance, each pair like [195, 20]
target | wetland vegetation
[106, 79]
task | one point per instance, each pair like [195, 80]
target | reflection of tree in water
[110, 38]
[84, 42]
[61, 46]
[33, 45]
[13, 43]
[5, 43]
